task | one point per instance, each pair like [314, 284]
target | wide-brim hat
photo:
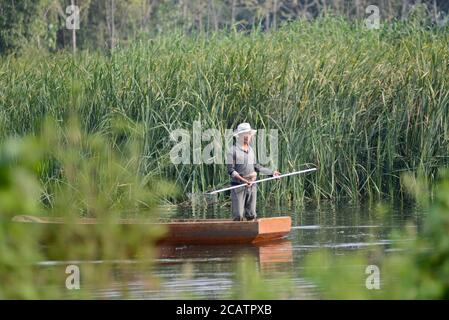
[244, 128]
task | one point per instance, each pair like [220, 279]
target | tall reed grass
[362, 105]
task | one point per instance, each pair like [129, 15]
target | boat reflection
[267, 254]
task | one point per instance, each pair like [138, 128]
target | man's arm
[263, 170]
[230, 163]
[266, 171]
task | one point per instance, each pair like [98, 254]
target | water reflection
[266, 254]
[208, 271]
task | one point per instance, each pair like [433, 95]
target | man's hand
[246, 181]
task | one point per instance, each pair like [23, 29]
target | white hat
[244, 128]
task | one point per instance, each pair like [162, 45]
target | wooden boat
[200, 231]
[226, 231]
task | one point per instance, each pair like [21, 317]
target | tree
[17, 22]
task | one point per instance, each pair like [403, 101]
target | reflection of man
[243, 168]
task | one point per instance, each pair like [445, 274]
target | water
[209, 272]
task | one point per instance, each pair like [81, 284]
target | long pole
[262, 180]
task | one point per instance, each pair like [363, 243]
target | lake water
[209, 272]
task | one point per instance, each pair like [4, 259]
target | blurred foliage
[18, 20]
[98, 177]
[251, 283]
[418, 267]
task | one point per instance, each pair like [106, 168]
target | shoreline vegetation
[364, 106]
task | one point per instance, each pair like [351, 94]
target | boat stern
[273, 228]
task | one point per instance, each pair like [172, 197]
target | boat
[193, 231]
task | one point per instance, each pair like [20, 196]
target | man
[243, 168]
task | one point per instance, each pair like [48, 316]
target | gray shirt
[244, 163]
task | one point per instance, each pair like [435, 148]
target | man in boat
[243, 168]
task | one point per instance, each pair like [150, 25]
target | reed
[361, 105]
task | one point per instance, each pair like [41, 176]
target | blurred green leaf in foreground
[416, 267]
[95, 176]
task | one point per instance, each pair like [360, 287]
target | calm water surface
[209, 272]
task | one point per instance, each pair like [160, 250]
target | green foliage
[338, 277]
[98, 176]
[17, 22]
[94, 176]
[250, 283]
[418, 269]
[19, 192]
[106, 24]
[362, 105]
[432, 256]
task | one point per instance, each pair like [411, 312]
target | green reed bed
[362, 105]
